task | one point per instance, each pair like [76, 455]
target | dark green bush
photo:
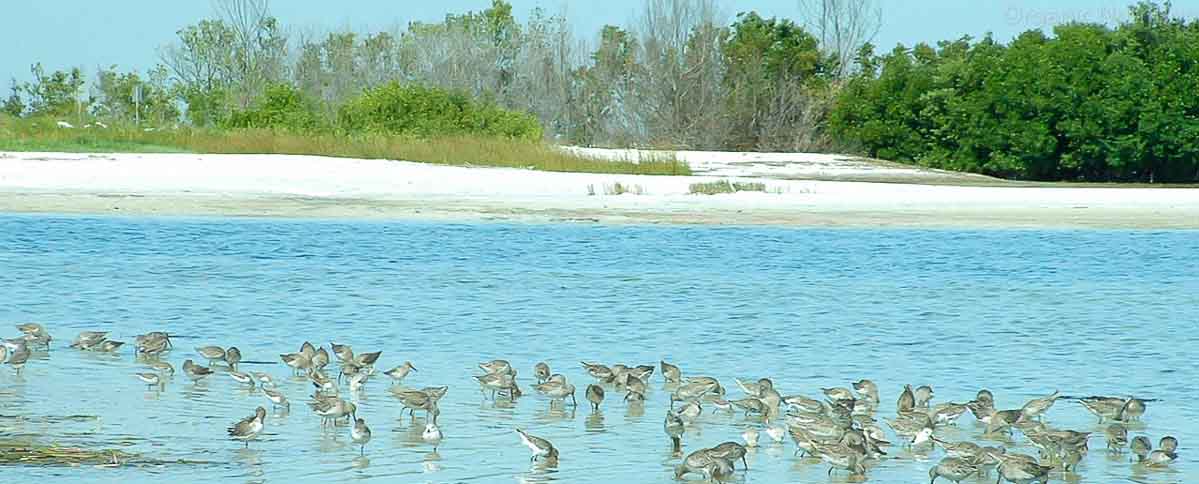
[402, 109]
[281, 107]
[1089, 103]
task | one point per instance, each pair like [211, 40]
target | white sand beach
[801, 190]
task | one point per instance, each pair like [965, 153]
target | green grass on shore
[44, 135]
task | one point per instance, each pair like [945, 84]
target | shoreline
[333, 188]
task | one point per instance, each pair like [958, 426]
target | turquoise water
[1019, 312]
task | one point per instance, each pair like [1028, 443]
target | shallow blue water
[1019, 312]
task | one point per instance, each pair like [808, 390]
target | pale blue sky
[88, 33]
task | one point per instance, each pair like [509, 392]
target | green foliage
[1089, 103]
[400, 109]
[205, 107]
[56, 94]
[13, 105]
[115, 97]
[281, 107]
[775, 77]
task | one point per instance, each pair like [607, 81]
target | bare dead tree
[842, 26]
[260, 46]
[680, 57]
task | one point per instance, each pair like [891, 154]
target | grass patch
[16, 452]
[725, 186]
[463, 150]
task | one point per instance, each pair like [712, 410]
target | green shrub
[1088, 103]
[282, 107]
[400, 109]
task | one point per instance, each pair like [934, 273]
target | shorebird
[691, 391]
[276, 397]
[264, 378]
[554, 390]
[297, 361]
[152, 346]
[343, 353]
[35, 334]
[497, 366]
[837, 394]
[432, 435]
[867, 390]
[595, 395]
[907, 400]
[162, 366]
[690, 411]
[542, 449]
[1020, 469]
[642, 372]
[212, 353]
[671, 373]
[243, 378]
[1140, 447]
[633, 396]
[18, 357]
[152, 343]
[1165, 454]
[840, 456]
[194, 371]
[359, 379]
[946, 413]
[233, 357]
[88, 339]
[150, 379]
[750, 405]
[366, 359]
[248, 428]
[965, 450]
[916, 425]
[751, 437]
[541, 371]
[674, 428]
[360, 434]
[598, 371]
[730, 451]
[108, 346]
[398, 373]
[722, 405]
[753, 388]
[700, 461]
[308, 350]
[923, 394]
[1103, 407]
[1131, 410]
[496, 382]
[1117, 437]
[324, 385]
[332, 409]
[804, 404]
[1002, 420]
[320, 359]
[953, 468]
[1037, 406]
[413, 400]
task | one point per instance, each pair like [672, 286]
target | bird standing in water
[360, 434]
[248, 428]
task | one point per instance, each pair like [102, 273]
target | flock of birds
[841, 429]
